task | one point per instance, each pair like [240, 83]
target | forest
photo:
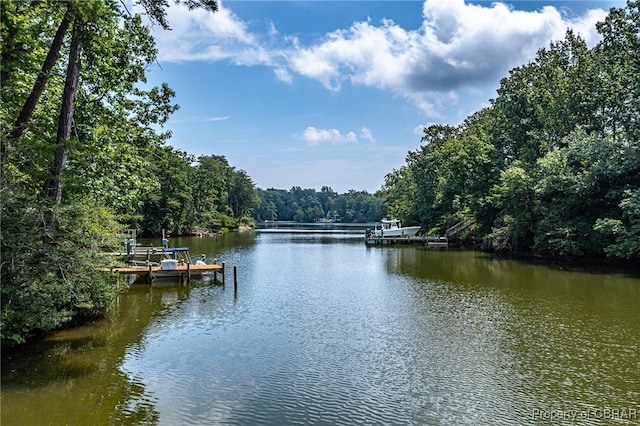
[551, 166]
[309, 205]
[84, 156]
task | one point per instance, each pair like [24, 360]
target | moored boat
[393, 228]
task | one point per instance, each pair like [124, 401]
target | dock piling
[149, 275]
[235, 281]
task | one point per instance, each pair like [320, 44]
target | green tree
[210, 182]
[44, 285]
[553, 165]
[542, 102]
[580, 184]
[514, 197]
[399, 193]
[57, 123]
[617, 100]
[625, 230]
[243, 198]
[168, 207]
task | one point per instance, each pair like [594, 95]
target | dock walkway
[182, 272]
[429, 241]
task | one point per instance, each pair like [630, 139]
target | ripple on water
[356, 343]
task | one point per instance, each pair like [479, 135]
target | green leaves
[45, 285]
[553, 165]
[309, 205]
[107, 150]
[626, 230]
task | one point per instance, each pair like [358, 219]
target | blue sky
[335, 93]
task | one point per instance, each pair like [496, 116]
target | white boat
[393, 228]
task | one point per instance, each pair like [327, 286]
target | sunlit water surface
[324, 330]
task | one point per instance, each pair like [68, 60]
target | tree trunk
[53, 186]
[23, 119]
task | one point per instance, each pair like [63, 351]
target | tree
[242, 194]
[553, 165]
[168, 207]
[617, 101]
[51, 239]
[514, 198]
[53, 185]
[83, 17]
[626, 230]
[30, 103]
[44, 285]
[542, 102]
[399, 193]
[210, 183]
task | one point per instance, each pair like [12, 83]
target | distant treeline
[552, 166]
[193, 195]
[309, 205]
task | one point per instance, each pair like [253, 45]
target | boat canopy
[175, 249]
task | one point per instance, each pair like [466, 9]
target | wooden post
[188, 272]
[222, 273]
[235, 281]
[149, 275]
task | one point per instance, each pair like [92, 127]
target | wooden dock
[431, 241]
[434, 241]
[182, 272]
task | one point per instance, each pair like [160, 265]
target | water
[324, 330]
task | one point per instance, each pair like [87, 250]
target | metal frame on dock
[183, 272]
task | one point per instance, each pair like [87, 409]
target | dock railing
[460, 226]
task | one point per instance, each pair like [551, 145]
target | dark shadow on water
[43, 362]
[621, 267]
[576, 264]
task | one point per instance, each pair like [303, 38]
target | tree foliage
[79, 141]
[194, 195]
[309, 205]
[552, 166]
[46, 285]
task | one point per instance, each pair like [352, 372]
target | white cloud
[366, 134]
[199, 35]
[283, 75]
[221, 118]
[314, 136]
[202, 120]
[459, 46]
[419, 129]
[586, 25]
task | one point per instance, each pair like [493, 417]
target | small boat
[393, 228]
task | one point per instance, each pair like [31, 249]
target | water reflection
[565, 339]
[74, 376]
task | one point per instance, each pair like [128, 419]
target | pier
[183, 272]
[435, 241]
[429, 241]
[169, 262]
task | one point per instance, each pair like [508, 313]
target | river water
[324, 330]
